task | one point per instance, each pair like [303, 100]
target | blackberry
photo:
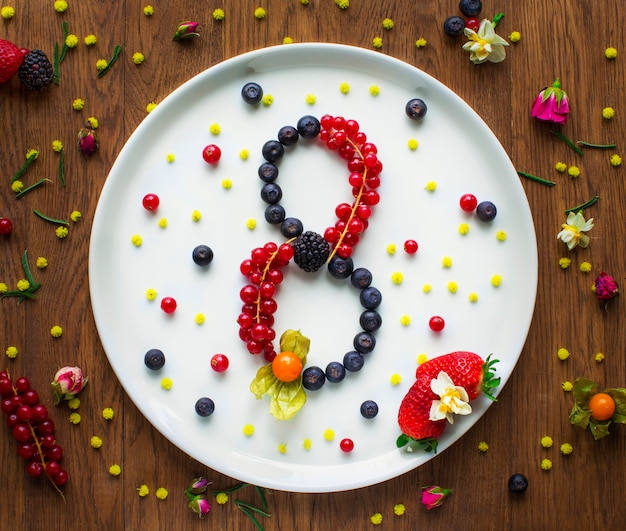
[36, 71]
[311, 251]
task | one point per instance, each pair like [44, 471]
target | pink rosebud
[87, 141]
[433, 496]
[605, 287]
[199, 485]
[68, 382]
[551, 105]
[186, 30]
[200, 505]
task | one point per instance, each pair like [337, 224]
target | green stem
[64, 46]
[584, 205]
[55, 77]
[261, 493]
[51, 220]
[535, 178]
[62, 167]
[497, 18]
[571, 144]
[31, 187]
[27, 271]
[116, 54]
[24, 167]
[596, 146]
[250, 515]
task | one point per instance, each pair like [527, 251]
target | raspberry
[311, 251]
[36, 71]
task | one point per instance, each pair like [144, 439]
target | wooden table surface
[565, 39]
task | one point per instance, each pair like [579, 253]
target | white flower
[573, 228]
[485, 45]
[454, 399]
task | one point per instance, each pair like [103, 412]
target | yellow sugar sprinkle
[422, 358]
[515, 36]
[431, 186]
[196, 215]
[166, 383]
[405, 320]
[60, 6]
[11, 352]
[259, 13]
[148, 10]
[374, 90]
[95, 442]
[566, 448]
[342, 4]
[599, 357]
[608, 113]
[344, 88]
[75, 216]
[108, 413]
[483, 446]
[399, 509]
[329, 434]
[161, 493]
[170, 157]
[7, 12]
[151, 294]
[585, 267]
[215, 129]
[610, 53]
[244, 154]
[473, 297]
[150, 107]
[163, 223]
[251, 223]
[387, 23]
[23, 284]
[78, 104]
[377, 42]
[453, 287]
[73, 403]
[200, 318]
[496, 280]
[501, 235]
[426, 288]
[573, 172]
[90, 39]
[57, 146]
[306, 444]
[61, 232]
[310, 99]
[56, 331]
[391, 249]
[143, 490]
[563, 353]
[3, 287]
[115, 470]
[546, 464]
[138, 58]
[376, 518]
[560, 167]
[248, 430]
[397, 277]
[546, 441]
[17, 186]
[567, 386]
[75, 418]
[463, 229]
[395, 379]
[101, 64]
[221, 498]
[616, 160]
[446, 262]
[227, 184]
[218, 14]
[420, 43]
[564, 262]
[268, 99]
[413, 144]
[287, 40]
[282, 448]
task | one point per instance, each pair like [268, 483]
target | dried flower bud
[186, 30]
[87, 141]
[434, 496]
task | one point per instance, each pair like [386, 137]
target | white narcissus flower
[485, 45]
[453, 399]
[573, 228]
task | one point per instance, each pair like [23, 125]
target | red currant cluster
[351, 144]
[256, 320]
[32, 428]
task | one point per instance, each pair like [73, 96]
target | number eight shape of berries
[310, 250]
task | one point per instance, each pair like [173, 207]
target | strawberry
[465, 369]
[11, 58]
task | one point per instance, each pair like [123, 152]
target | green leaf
[287, 400]
[294, 341]
[580, 417]
[583, 390]
[599, 429]
[402, 440]
[264, 381]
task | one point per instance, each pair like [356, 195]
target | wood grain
[564, 39]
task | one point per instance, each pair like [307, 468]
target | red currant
[34, 469]
[31, 397]
[150, 201]
[55, 453]
[410, 247]
[472, 23]
[22, 385]
[46, 427]
[53, 468]
[26, 450]
[211, 154]
[168, 305]
[24, 413]
[5, 226]
[468, 202]
[436, 323]
[249, 294]
[346, 445]
[22, 433]
[60, 478]
[40, 413]
[219, 362]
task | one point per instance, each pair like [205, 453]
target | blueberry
[308, 127]
[313, 378]
[470, 8]
[370, 298]
[288, 135]
[369, 409]
[272, 150]
[154, 359]
[416, 109]
[353, 361]
[340, 267]
[202, 255]
[370, 320]
[335, 372]
[252, 93]
[361, 278]
[453, 26]
[518, 483]
[271, 193]
[268, 172]
[486, 211]
[291, 228]
[364, 342]
[274, 214]
[205, 407]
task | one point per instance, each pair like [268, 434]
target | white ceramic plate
[457, 151]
